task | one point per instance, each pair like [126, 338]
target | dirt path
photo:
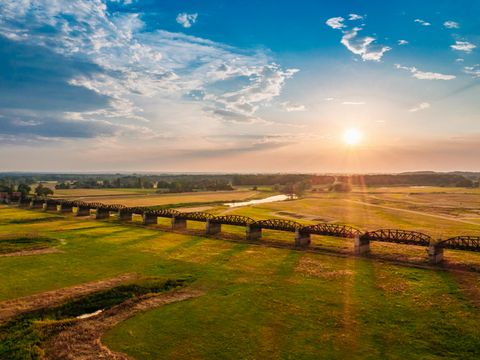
[82, 341]
[31, 252]
[14, 307]
[416, 212]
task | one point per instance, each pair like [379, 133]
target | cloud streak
[425, 75]
[464, 46]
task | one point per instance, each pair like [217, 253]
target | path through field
[443, 217]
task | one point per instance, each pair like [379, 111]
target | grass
[22, 337]
[266, 302]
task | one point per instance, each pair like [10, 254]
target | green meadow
[262, 301]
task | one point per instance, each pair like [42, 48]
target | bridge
[254, 227]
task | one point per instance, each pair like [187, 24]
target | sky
[239, 86]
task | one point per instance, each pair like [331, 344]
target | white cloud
[353, 103]
[422, 22]
[402, 42]
[421, 106]
[353, 17]
[451, 24]
[459, 60]
[463, 46]
[472, 70]
[293, 107]
[363, 46]
[138, 70]
[425, 75]
[336, 22]
[187, 20]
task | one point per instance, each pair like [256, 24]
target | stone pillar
[149, 219]
[64, 208]
[435, 254]
[80, 211]
[23, 204]
[48, 206]
[302, 239]
[362, 246]
[212, 228]
[254, 232]
[124, 215]
[35, 205]
[178, 224]
[99, 214]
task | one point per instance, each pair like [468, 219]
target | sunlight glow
[352, 136]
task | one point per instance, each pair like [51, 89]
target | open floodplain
[221, 297]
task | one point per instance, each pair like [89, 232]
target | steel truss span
[337, 230]
[463, 242]
[232, 220]
[398, 236]
[278, 224]
[471, 243]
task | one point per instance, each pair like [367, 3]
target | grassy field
[75, 193]
[265, 302]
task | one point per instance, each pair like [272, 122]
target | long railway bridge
[254, 228]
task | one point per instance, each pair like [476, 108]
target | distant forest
[175, 183]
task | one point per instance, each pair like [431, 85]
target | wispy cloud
[336, 22]
[422, 22]
[472, 70]
[353, 102]
[293, 107]
[451, 24]
[187, 20]
[421, 106]
[402, 42]
[463, 46]
[425, 75]
[135, 69]
[364, 46]
[353, 17]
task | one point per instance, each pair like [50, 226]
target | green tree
[43, 191]
[24, 189]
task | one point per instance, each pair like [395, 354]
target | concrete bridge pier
[23, 204]
[35, 205]
[302, 238]
[178, 224]
[149, 219]
[64, 208]
[254, 232]
[212, 228]
[99, 214]
[124, 215]
[46, 206]
[435, 254]
[361, 246]
[80, 211]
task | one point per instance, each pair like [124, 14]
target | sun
[352, 136]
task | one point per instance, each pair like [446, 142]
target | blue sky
[239, 85]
